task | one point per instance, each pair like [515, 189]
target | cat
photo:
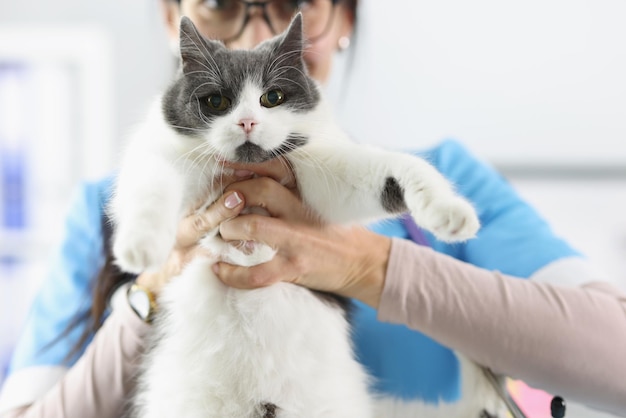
[280, 351]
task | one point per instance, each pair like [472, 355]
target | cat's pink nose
[247, 125]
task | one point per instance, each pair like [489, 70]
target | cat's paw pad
[451, 220]
[137, 251]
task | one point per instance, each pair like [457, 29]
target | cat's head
[242, 105]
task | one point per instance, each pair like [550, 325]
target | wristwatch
[142, 301]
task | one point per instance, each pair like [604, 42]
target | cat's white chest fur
[229, 352]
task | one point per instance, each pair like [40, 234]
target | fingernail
[243, 173]
[232, 200]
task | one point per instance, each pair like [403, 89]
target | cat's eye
[218, 102]
[272, 98]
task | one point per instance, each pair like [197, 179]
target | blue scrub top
[406, 364]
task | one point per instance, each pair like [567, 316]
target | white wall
[521, 82]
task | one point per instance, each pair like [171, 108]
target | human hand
[191, 230]
[195, 226]
[349, 261]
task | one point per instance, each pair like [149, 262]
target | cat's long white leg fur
[346, 182]
[146, 211]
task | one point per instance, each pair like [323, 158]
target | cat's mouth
[250, 153]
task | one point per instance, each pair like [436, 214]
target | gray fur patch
[392, 196]
[252, 153]
[269, 410]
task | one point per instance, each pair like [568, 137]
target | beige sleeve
[565, 340]
[99, 383]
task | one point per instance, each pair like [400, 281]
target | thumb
[240, 277]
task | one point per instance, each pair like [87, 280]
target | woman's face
[227, 23]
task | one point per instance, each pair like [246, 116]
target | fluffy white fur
[222, 352]
[227, 351]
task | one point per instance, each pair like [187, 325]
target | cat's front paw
[136, 250]
[452, 219]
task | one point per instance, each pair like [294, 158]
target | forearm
[99, 383]
[566, 340]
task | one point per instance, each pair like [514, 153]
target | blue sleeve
[66, 291]
[514, 239]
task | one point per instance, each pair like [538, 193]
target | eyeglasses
[226, 19]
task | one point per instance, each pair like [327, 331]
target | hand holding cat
[349, 261]
[190, 230]
[195, 226]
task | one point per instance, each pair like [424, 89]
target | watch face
[140, 302]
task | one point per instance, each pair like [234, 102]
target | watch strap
[142, 301]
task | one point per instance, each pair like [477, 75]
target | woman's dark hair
[109, 279]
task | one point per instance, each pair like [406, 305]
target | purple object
[415, 232]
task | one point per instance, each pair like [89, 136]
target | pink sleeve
[99, 383]
[568, 341]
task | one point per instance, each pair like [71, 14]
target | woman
[541, 330]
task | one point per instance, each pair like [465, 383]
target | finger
[278, 169]
[271, 231]
[229, 177]
[225, 179]
[198, 224]
[279, 201]
[261, 275]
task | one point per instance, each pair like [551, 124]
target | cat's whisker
[206, 54]
[304, 158]
[209, 70]
[283, 57]
[291, 81]
[208, 83]
[198, 153]
[219, 169]
[206, 73]
[201, 115]
[209, 185]
[212, 161]
[277, 62]
[188, 153]
[186, 128]
[284, 161]
[286, 68]
[203, 156]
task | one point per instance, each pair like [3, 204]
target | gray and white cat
[281, 351]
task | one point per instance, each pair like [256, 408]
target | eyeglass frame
[263, 5]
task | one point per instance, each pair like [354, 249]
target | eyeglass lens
[225, 19]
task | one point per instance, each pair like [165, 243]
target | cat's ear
[195, 50]
[290, 46]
